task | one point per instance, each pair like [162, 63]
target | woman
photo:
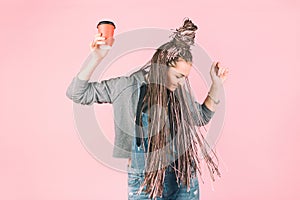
[163, 152]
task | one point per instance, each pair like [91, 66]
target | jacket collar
[140, 75]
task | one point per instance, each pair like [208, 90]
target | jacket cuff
[207, 110]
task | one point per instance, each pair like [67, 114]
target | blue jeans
[170, 191]
[170, 187]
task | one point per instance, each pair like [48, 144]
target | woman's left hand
[218, 73]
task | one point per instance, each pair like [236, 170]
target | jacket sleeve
[200, 113]
[205, 113]
[87, 93]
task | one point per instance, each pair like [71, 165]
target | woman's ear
[173, 63]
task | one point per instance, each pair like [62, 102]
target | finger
[99, 38]
[226, 71]
[98, 35]
[225, 74]
[221, 71]
[92, 44]
[100, 42]
[213, 64]
[213, 68]
[217, 68]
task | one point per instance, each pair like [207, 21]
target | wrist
[214, 99]
[95, 57]
[216, 85]
[213, 93]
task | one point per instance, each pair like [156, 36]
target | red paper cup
[106, 28]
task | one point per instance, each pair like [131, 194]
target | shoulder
[139, 76]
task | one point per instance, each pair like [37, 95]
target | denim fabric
[136, 175]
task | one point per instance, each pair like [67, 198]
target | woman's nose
[181, 81]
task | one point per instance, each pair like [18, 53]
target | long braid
[187, 139]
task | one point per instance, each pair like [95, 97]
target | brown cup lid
[106, 22]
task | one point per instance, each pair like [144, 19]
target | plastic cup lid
[106, 21]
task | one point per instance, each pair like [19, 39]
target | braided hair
[184, 132]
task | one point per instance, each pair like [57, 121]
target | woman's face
[177, 74]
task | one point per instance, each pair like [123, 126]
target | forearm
[214, 92]
[88, 67]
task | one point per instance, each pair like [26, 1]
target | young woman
[163, 141]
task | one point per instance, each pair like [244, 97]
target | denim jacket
[123, 93]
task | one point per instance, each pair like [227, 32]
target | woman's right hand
[100, 53]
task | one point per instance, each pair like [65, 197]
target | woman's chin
[172, 88]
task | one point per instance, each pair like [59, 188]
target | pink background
[43, 44]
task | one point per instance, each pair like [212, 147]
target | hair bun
[184, 36]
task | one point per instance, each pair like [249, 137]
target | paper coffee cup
[106, 28]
